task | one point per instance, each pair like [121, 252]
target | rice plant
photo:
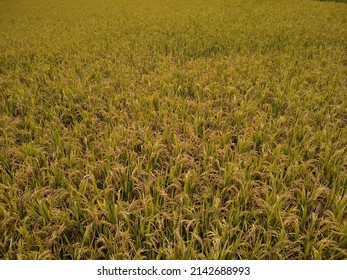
[173, 129]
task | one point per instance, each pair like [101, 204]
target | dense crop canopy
[172, 129]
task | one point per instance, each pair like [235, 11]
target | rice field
[172, 129]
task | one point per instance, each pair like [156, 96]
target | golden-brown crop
[173, 129]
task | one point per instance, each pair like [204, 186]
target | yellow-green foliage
[173, 129]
